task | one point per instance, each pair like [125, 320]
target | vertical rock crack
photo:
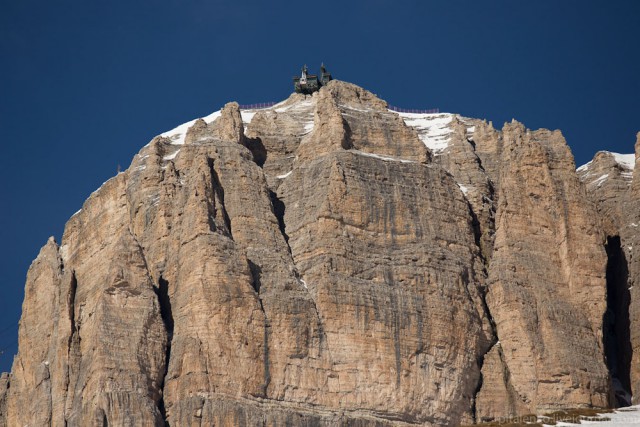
[616, 324]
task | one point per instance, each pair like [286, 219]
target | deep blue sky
[85, 84]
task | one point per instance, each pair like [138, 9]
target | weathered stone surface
[390, 270]
[497, 398]
[630, 245]
[462, 159]
[280, 130]
[547, 289]
[367, 125]
[607, 182]
[331, 131]
[4, 387]
[98, 352]
[488, 145]
[522, 191]
[325, 268]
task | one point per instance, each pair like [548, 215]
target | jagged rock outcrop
[464, 160]
[547, 289]
[280, 130]
[608, 178]
[630, 236]
[92, 333]
[532, 212]
[610, 184]
[325, 261]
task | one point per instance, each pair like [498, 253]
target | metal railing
[262, 105]
[413, 110]
[258, 106]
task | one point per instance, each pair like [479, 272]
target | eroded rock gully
[325, 262]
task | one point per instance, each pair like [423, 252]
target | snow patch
[308, 127]
[247, 116]
[598, 182]
[362, 110]
[177, 134]
[628, 161]
[171, 156]
[433, 129]
[301, 105]
[279, 104]
[464, 188]
[584, 167]
[285, 175]
[624, 417]
[385, 158]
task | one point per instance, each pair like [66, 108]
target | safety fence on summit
[258, 106]
[413, 110]
[263, 105]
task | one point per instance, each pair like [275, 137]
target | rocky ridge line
[323, 261]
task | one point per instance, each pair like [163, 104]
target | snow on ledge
[171, 156]
[628, 161]
[433, 129]
[599, 181]
[295, 106]
[247, 116]
[177, 134]
[585, 166]
[385, 158]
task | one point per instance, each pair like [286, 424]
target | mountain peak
[327, 260]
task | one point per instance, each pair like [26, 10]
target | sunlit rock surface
[325, 261]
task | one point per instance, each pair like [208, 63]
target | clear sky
[85, 84]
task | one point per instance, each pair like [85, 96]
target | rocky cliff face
[612, 185]
[323, 262]
[630, 238]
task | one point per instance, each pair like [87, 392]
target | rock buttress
[630, 237]
[547, 289]
[338, 279]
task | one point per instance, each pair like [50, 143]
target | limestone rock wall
[4, 388]
[543, 247]
[613, 187]
[547, 288]
[630, 244]
[317, 263]
[607, 183]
